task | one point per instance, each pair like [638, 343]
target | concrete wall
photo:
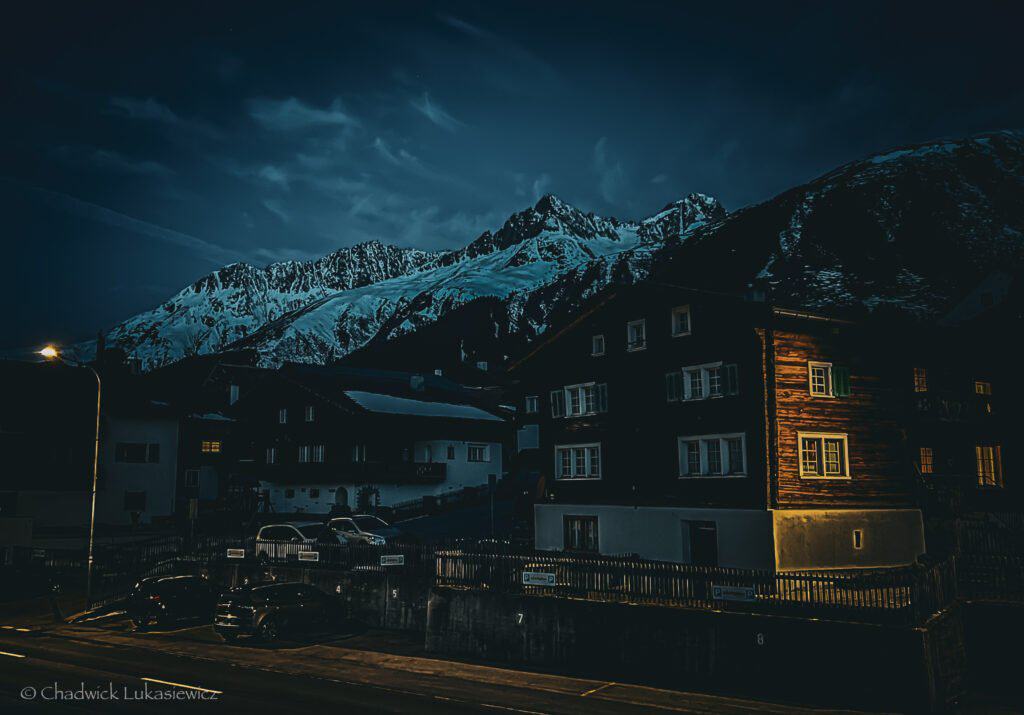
[839, 664]
[158, 480]
[744, 535]
[461, 473]
[823, 538]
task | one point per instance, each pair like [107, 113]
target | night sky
[144, 145]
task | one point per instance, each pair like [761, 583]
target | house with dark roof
[703, 428]
[323, 439]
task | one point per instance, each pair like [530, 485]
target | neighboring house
[331, 438]
[138, 465]
[705, 429]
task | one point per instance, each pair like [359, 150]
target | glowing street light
[52, 353]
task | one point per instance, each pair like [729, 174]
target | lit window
[597, 345]
[820, 377]
[681, 321]
[823, 455]
[990, 465]
[927, 460]
[310, 413]
[920, 379]
[982, 388]
[578, 461]
[713, 455]
[478, 453]
[282, 415]
[532, 404]
[636, 335]
[210, 446]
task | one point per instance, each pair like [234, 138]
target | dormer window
[680, 321]
[636, 335]
[597, 345]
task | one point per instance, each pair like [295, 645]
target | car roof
[297, 524]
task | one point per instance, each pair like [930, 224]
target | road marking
[182, 685]
[594, 690]
[11, 655]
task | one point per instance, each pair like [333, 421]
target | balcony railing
[395, 471]
[952, 405]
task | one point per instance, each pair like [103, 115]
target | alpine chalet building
[702, 428]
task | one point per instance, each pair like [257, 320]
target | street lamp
[52, 353]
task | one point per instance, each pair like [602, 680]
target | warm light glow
[49, 352]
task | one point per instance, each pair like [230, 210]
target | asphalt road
[47, 667]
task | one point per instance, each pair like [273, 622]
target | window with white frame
[597, 345]
[359, 453]
[823, 455]
[271, 455]
[578, 400]
[282, 415]
[681, 321]
[819, 376]
[532, 404]
[713, 455]
[310, 413]
[990, 465]
[699, 382]
[478, 453]
[636, 335]
[578, 461]
[311, 453]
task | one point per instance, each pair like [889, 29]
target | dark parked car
[165, 599]
[272, 611]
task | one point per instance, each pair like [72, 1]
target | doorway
[703, 539]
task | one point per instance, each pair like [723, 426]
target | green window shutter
[602, 397]
[840, 381]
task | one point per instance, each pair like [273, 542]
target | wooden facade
[878, 414]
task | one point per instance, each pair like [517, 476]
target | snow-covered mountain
[915, 229]
[324, 309]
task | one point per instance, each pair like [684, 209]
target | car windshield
[312, 531]
[370, 523]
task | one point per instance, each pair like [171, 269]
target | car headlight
[378, 540]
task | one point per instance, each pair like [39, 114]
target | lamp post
[51, 353]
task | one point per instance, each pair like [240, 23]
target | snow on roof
[214, 416]
[377, 402]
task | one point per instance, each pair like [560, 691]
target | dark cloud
[146, 144]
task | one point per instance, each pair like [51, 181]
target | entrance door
[703, 543]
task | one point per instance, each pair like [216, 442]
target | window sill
[636, 350]
[577, 479]
[828, 397]
[682, 335]
[822, 477]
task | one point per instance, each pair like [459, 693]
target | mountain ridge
[914, 228]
